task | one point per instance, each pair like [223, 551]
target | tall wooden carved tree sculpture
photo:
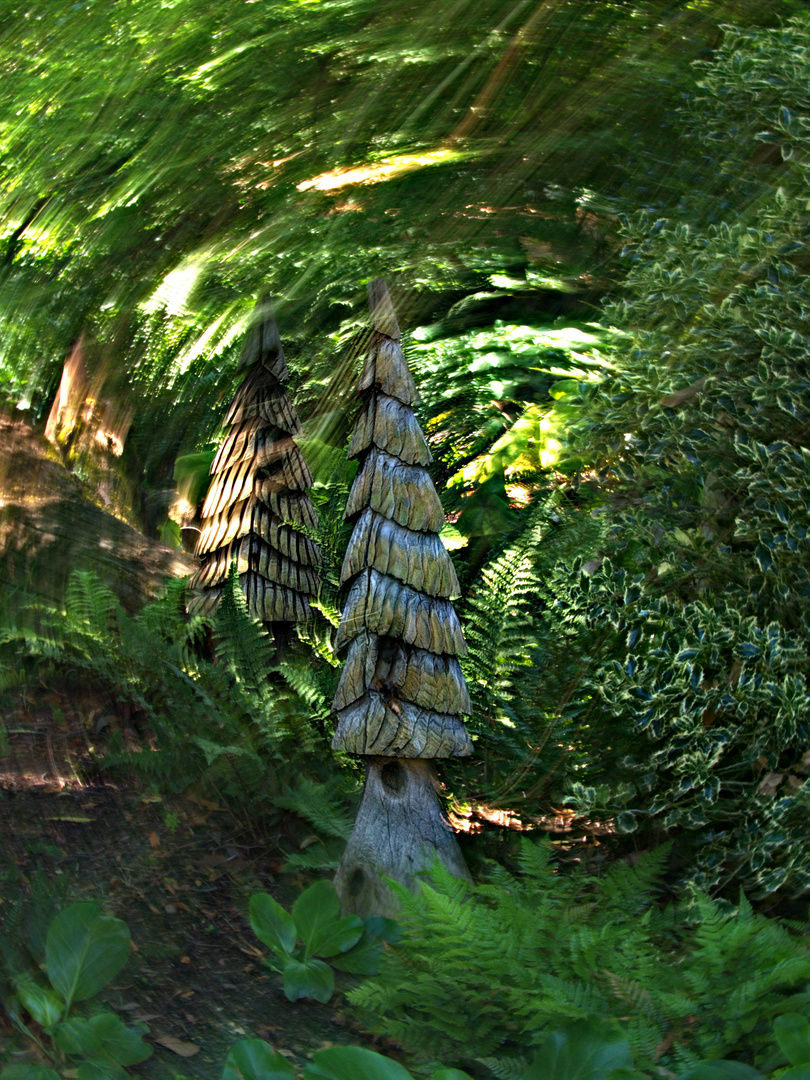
[401, 690]
[257, 505]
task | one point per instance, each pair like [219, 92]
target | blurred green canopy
[165, 160]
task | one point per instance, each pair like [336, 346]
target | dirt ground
[179, 871]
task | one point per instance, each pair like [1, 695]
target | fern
[490, 970]
[324, 806]
[522, 680]
[238, 725]
[242, 641]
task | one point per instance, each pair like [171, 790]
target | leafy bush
[487, 972]
[698, 698]
[237, 724]
[582, 1050]
[698, 720]
[84, 950]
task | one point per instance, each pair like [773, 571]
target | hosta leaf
[272, 924]
[584, 1050]
[353, 1063]
[792, 1032]
[84, 950]
[253, 1059]
[310, 978]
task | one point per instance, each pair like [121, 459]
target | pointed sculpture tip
[383, 316]
[263, 342]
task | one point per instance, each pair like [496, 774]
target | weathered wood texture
[399, 831]
[401, 692]
[257, 510]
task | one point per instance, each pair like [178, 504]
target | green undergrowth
[198, 702]
[482, 974]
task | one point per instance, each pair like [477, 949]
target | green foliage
[589, 1049]
[792, 1033]
[131, 212]
[328, 806]
[315, 930]
[713, 730]
[488, 972]
[488, 403]
[253, 1059]
[698, 699]
[238, 725]
[84, 951]
[583, 1050]
[523, 681]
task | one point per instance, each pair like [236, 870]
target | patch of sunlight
[452, 538]
[205, 342]
[374, 172]
[550, 282]
[173, 292]
[201, 73]
[503, 281]
[549, 455]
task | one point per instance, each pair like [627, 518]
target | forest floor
[179, 871]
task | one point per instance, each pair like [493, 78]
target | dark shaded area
[49, 527]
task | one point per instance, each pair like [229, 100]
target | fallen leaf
[154, 839]
[770, 783]
[672, 401]
[208, 804]
[185, 959]
[177, 1046]
[80, 819]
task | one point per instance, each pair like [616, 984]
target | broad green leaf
[336, 937]
[122, 1044]
[721, 1070]
[798, 1072]
[76, 1036]
[315, 909]
[28, 1072]
[254, 1059]
[43, 1004]
[451, 1074]
[364, 957]
[100, 1070]
[584, 1050]
[272, 924]
[792, 1032]
[310, 978]
[353, 1063]
[84, 950]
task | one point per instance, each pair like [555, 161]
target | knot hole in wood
[394, 778]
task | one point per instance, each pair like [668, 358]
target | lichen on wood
[401, 694]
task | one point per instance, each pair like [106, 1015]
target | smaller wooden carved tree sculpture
[257, 504]
[401, 690]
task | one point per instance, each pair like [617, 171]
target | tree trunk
[399, 831]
